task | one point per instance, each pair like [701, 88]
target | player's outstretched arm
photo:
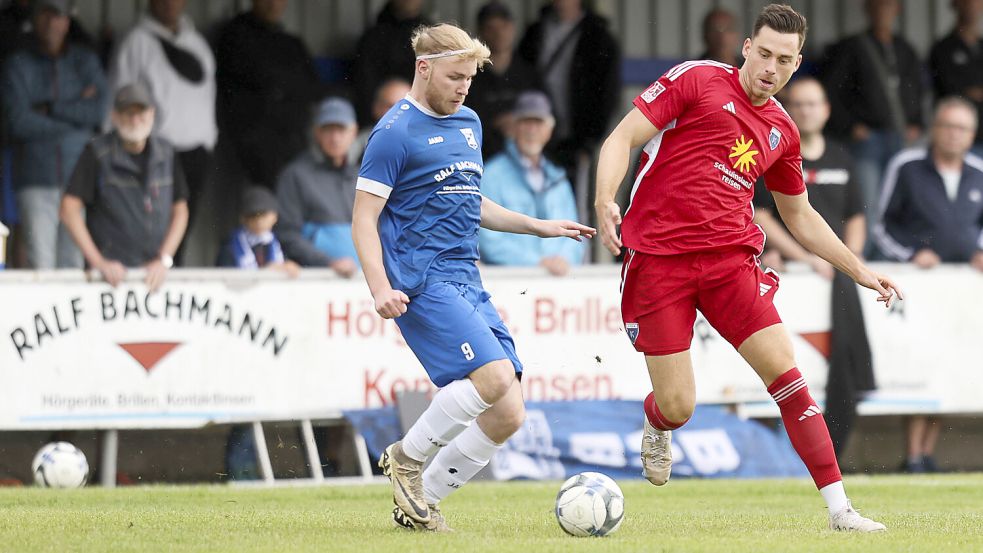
[496, 217]
[634, 130]
[781, 240]
[389, 303]
[811, 230]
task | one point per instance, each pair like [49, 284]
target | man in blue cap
[316, 193]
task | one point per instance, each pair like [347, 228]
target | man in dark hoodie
[384, 52]
[266, 86]
[580, 65]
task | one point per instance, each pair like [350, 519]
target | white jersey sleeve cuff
[373, 187]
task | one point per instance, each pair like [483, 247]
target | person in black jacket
[956, 61]
[266, 87]
[931, 210]
[874, 83]
[384, 52]
[495, 88]
[580, 64]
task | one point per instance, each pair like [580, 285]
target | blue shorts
[453, 329]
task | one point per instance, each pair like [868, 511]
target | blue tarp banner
[563, 438]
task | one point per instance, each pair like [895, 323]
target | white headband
[443, 54]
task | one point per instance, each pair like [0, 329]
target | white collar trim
[424, 109]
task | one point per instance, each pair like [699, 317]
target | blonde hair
[446, 40]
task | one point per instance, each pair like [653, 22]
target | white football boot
[406, 475]
[437, 524]
[656, 454]
[849, 520]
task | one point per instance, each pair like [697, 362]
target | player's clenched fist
[608, 219]
[391, 303]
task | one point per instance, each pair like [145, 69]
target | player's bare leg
[454, 409]
[769, 351]
[669, 406]
[467, 454]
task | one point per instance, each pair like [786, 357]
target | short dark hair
[494, 9]
[708, 18]
[781, 18]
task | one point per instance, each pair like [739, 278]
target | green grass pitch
[924, 514]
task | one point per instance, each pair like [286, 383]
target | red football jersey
[694, 188]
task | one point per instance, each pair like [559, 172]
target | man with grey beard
[133, 190]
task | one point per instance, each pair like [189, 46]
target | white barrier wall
[216, 346]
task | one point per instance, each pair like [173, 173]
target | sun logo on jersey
[744, 154]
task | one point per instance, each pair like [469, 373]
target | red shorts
[661, 293]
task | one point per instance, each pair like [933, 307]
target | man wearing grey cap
[316, 193]
[522, 179]
[167, 53]
[54, 95]
[130, 183]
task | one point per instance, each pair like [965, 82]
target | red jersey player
[710, 130]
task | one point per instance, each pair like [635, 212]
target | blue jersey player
[418, 207]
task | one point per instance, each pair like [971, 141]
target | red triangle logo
[148, 354]
[819, 340]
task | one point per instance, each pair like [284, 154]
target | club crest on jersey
[472, 141]
[653, 92]
[632, 330]
[774, 137]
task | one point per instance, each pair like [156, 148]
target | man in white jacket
[167, 54]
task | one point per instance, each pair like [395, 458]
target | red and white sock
[655, 416]
[809, 435]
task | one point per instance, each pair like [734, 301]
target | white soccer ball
[60, 465]
[590, 504]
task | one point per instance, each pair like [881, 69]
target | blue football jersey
[429, 168]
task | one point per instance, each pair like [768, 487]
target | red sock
[806, 427]
[655, 416]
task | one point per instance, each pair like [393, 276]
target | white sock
[457, 463]
[835, 497]
[452, 410]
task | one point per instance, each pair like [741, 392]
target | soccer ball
[60, 465]
[590, 504]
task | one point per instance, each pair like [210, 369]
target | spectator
[266, 86]
[932, 205]
[523, 180]
[873, 80]
[317, 192]
[580, 65]
[254, 245]
[956, 61]
[130, 183]
[166, 52]
[721, 37]
[494, 89]
[4, 233]
[384, 52]
[17, 27]
[828, 173]
[389, 92]
[54, 95]
[931, 212]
